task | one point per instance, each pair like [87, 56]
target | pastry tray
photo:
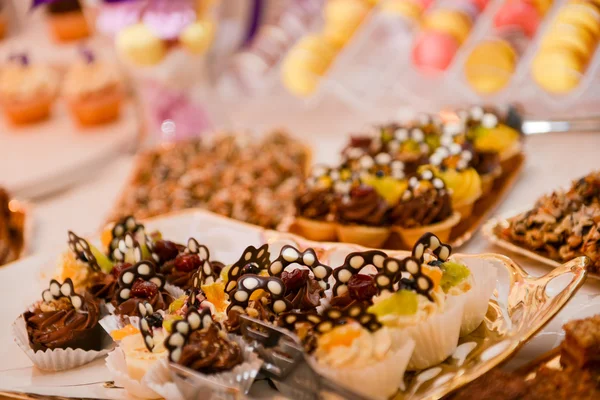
[465, 229]
[520, 307]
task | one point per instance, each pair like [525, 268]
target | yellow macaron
[197, 37]
[581, 14]
[448, 21]
[490, 66]
[557, 70]
[542, 5]
[139, 45]
[573, 37]
[305, 64]
[406, 8]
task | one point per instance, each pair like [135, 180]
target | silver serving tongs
[285, 363]
[529, 126]
[194, 387]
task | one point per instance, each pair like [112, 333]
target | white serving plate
[22, 283]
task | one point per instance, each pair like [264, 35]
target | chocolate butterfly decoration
[392, 273]
[290, 255]
[144, 270]
[128, 249]
[148, 320]
[429, 241]
[248, 284]
[195, 291]
[207, 274]
[126, 225]
[353, 264]
[56, 291]
[82, 250]
[182, 329]
[331, 318]
[258, 259]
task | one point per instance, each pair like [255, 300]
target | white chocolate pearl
[308, 258]
[144, 269]
[489, 120]
[434, 242]
[156, 281]
[383, 158]
[342, 289]
[423, 284]
[150, 341]
[290, 254]
[419, 250]
[444, 253]
[279, 306]
[276, 267]
[260, 253]
[206, 321]
[194, 321]
[125, 293]
[354, 311]
[344, 275]
[393, 266]
[383, 280]
[235, 271]
[250, 283]
[357, 262]
[247, 256]
[335, 314]
[176, 354]
[207, 268]
[412, 267]
[274, 287]
[313, 318]
[176, 339]
[241, 296]
[47, 296]
[77, 302]
[326, 326]
[320, 272]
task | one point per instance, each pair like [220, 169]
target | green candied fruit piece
[479, 132]
[454, 274]
[169, 320]
[103, 261]
[403, 302]
[433, 141]
[224, 272]
[177, 304]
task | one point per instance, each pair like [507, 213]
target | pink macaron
[433, 51]
[518, 13]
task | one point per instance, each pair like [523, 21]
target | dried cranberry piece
[295, 279]
[251, 268]
[187, 262]
[165, 250]
[361, 191]
[119, 268]
[362, 287]
[144, 289]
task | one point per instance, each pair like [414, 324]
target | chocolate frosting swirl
[314, 204]
[425, 208]
[209, 352]
[363, 207]
[159, 301]
[182, 279]
[303, 291]
[103, 286]
[65, 327]
[255, 309]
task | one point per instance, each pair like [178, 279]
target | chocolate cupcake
[181, 268]
[209, 352]
[64, 320]
[138, 284]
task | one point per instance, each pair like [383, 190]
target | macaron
[482, 4]
[410, 9]
[139, 45]
[448, 21]
[518, 14]
[490, 66]
[197, 37]
[542, 5]
[434, 51]
[557, 70]
[573, 37]
[342, 18]
[581, 14]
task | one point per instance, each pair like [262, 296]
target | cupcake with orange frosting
[27, 91]
[94, 91]
[66, 20]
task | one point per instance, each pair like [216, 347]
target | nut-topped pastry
[425, 206]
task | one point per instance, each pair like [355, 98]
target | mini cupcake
[61, 331]
[180, 270]
[93, 91]
[198, 344]
[452, 166]
[27, 91]
[363, 217]
[489, 134]
[468, 279]
[315, 206]
[406, 144]
[66, 20]
[425, 206]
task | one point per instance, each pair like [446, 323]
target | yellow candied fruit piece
[258, 294]
[119, 334]
[215, 293]
[106, 238]
[343, 335]
[169, 320]
[391, 189]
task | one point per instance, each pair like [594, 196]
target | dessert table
[553, 160]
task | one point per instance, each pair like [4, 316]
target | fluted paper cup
[117, 366]
[57, 359]
[435, 338]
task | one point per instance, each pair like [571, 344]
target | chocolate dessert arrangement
[12, 227]
[165, 302]
[563, 224]
[236, 176]
[430, 175]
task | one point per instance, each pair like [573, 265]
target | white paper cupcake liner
[477, 299]
[117, 366]
[435, 338]
[58, 359]
[158, 379]
[378, 381]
